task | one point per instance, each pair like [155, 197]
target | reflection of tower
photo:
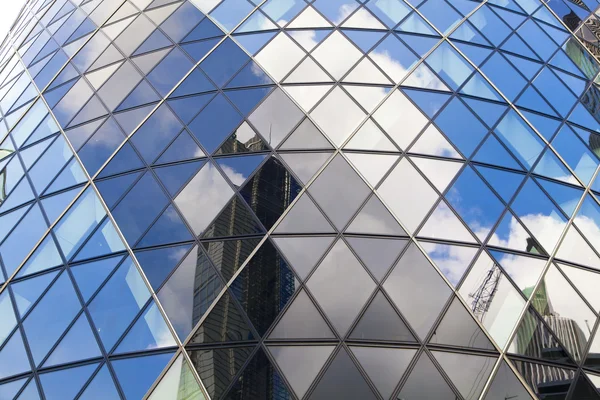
[262, 289]
[3, 154]
[594, 142]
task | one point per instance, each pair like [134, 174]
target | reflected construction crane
[484, 295]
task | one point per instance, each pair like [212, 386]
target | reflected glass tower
[300, 199]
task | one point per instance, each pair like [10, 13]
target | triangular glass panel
[254, 42]
[429, 102]
[30, 392]
[585, 281]
[560, 378]
[366, 72]
[477, 86]
[506, 385]
[584, 390]
[417, 289]
[238, 169]
[130, 119]
[308, 71]
[13, 358]
[504, 183]
[375, 219]
[186, 108]
[384, 366]
[28, 291]
[66, 383]
[259, 372]
[9, 390]
[365, 40]
[249, 76]
[461, 126]
[471, 377]
[309, 18]
[443, 224]
[157, 264]
[197, 50]
[125, 160]
[184, 147]
[304, 217]
[458, 328]
[102, 385]
[477, 54]
[196, 82]
[78, 344]
[354, 286]
[381, 322]
[178, 382]
[452, 260]
[305, 165]
[423, 78]
[526, 67]
[295, 250]
[225, 323]
[189, 292]
[339, 178]
[377, 254]
[46, 256]
[532, 100]
[90, 275]
[425, 371]
[236, 219]
[247, 99]
[301, 320]
[55, 205]
[148, 61]
[433, 143]
[70, 176]
[270, 191]
[492, 152]
[565, 196]
[150, 331]
[300, 364]
[439, 172]
[372, 166]
[544, 125]
[104, 241]
[243, 140]
[136, 375]
[370, 137]
[142, 94]
[227, 360]
[277, 285]
[229, 255]
[204, 30]
[174, 177]
[534, 339]
[156, 40]
[342, 379]
[489, 112]
[363, 19]
[306, 136]
[113, 189]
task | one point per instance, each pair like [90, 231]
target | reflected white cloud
[203, 197]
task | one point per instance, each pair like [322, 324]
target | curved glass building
[300, 199]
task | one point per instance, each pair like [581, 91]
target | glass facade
[300, 199]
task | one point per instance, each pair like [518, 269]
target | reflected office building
[300, 199]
